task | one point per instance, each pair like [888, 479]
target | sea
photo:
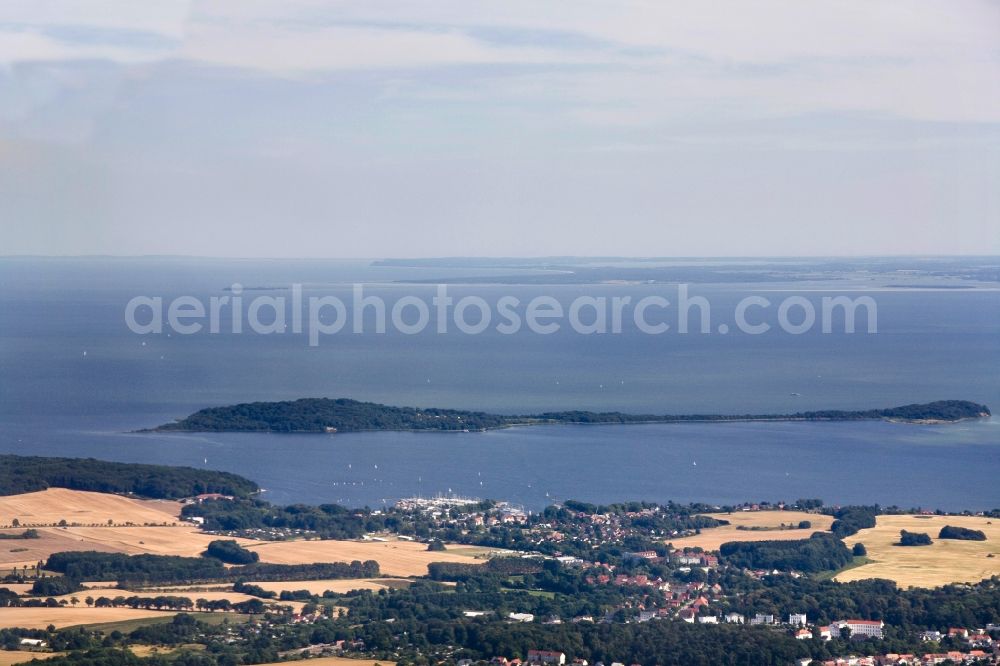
[76, 381]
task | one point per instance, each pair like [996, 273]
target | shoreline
[675, 421]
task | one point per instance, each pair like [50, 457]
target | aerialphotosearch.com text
[319, 316]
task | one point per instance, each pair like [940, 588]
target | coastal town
[489, 582]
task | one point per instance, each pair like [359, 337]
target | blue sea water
[74, 380]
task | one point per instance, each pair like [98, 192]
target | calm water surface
[56, 400]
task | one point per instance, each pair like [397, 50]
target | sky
[298, 128]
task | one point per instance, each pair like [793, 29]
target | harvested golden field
[712, 538]
[9, 658]
[181, 540]
[20, 552]
[48, 507]
[396, 558]
[91, 510]
[39, 618]
[944, 561]
[340, 585]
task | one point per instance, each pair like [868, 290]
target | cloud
[474, 126]
[301, 50]
[163, 17]
[913, 58]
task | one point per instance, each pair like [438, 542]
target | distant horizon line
[685, 257]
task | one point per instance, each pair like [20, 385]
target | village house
[734, 618]
[641, 555]
[536, 657]
[797, 619]
[680, 557]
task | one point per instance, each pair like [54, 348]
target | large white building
[866, 628]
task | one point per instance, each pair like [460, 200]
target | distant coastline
[328, 416]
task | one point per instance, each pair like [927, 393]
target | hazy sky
[515, 127]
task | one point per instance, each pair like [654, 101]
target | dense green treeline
[230, 552]
[154, 569]
[820, 552]
[55, 586]
[914, 538]
[23, 474]
[158, 602]
[331, 521]
[345, 415]
[961, 533]
[852, 519]
[145, 568]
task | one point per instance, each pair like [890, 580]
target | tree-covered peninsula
[345, 415]
[25, 474]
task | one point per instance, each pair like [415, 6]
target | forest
[25, 474]
[961, 533]
[146, 569]
[820, 552]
